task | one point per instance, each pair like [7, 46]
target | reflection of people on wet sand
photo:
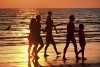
[49, 37]
[82, 40]
[70, 37]
[32, 37]
[52, 62]
[35, 63]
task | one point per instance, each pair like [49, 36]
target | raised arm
[55, 28]
[60, 24]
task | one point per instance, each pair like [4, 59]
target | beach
[17, 56]
[14, 42]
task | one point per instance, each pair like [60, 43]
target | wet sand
[16, 56]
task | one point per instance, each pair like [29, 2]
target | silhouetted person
[38, 30]
[32, 37]
[49, 37]
[70, 37]
[82, 40]
[8, 28]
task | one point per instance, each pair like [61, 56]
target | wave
[19, 20]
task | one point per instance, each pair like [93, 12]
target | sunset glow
[50, 4]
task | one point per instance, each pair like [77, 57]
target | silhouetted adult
[49, 37]
[38, 30]
[82, 40]
[32, 37]
[70, 37]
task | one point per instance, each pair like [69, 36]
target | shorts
[32, 38]
[82, 43]
[70, 36]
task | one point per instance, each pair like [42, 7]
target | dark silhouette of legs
[54, 45]
[40, 41]
[70, 38]
[34, 49]
[75, 48]
[29, 49]
[48, 41]
[83, 58]
[65, 49]
[82, 50]
[41, 46]
[79, 51]
[47, 45]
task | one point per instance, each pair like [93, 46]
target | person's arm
[76, 30]
[45, 29]
[60, 24]
[55, 28]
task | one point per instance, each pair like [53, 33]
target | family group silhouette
[35, 38]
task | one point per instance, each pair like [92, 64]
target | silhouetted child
[49, 36]
[32, 37]
[82, 40]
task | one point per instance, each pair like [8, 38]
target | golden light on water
[25, 31]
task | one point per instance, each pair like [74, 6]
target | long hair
[33, 20]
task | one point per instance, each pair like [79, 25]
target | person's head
[81, 26]
[33, 20]
[71, 17]
[38, 17]
[50, 13]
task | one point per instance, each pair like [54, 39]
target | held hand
[76, 30]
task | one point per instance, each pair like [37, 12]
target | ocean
[14, 42]
[19, 20]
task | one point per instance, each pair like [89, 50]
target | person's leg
[54, 45]
[75, 48]
[34, 49]
[29, 48]
[82, 52]
[79, 51]
[83, 58]
[41, 44]
[81, 47]
[65, 49]
[46, 47]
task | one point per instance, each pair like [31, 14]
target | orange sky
[49, 3]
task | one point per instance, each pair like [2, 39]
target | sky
[49, 3]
